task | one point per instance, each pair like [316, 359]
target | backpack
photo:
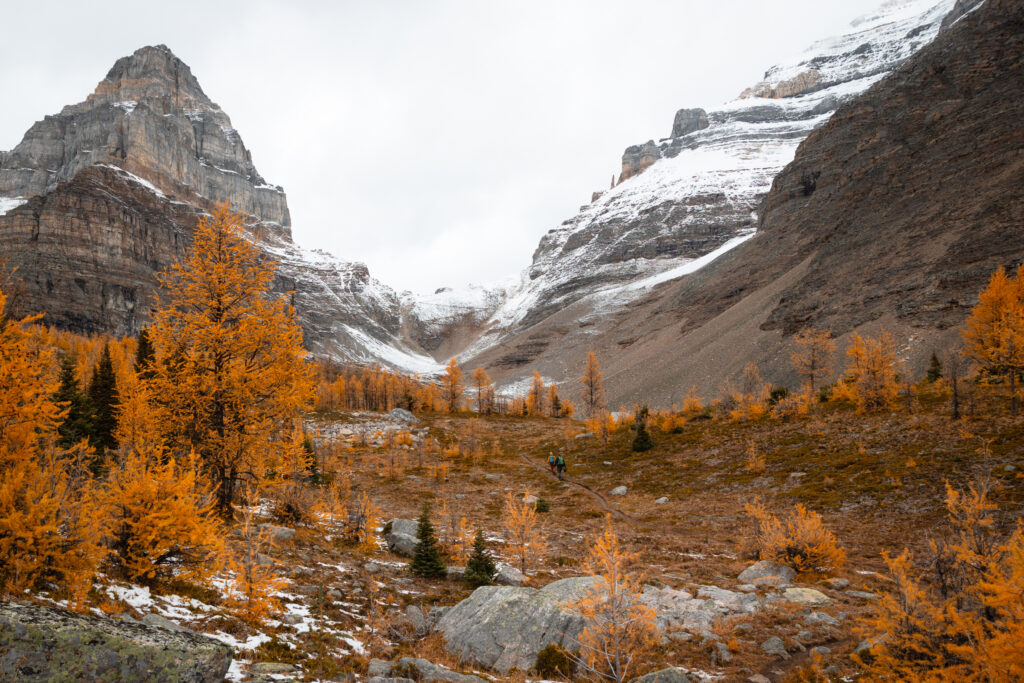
[560, 462]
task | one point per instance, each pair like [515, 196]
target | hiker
[551, 462]
[560, 466]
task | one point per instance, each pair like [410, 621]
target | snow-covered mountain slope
[692, 196]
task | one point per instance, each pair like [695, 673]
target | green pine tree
[145, 356]
[480, 569]
[642, 440]
[104, 398]
[934, 369]
[426, 560]
[77, 423]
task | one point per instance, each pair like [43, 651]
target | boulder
[661, 501]
[863, 595]
[731, 601]
[837, 584]
[775, 647]
[504, 627]
[618, 491]
[416, 669]
[672, 675]
[401, 536]
[509, 576]
[571, 589]
[39, 643]
[402, 416]
[277, 534]
[806, 596]
[820, 618]
[767, 573]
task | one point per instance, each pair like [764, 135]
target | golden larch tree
[814, 355]
[536, 396]
[621, 632]
[452, 386]
[994, 332]
[230, 370]
[593, 389]
[526, 544]
[49, 532]
[484, 390]
[872, 368]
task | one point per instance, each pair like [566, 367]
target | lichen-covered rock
[806, 596]
[509, 576]
[39, 643]
[401, 536]
[767, 573]
[504, 627]
[416, 669]
[671, 675]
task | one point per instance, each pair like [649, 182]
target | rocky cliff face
[893, 215]
[688, 198]
[150, 117]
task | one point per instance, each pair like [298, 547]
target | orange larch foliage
[525, 544]
[814, 355]
[620, 633]
[593, 389]
[452, 386]
[484, 389]
[994, 332]
[252, 592]
[871, 372]
[230, 371]
[800, 540]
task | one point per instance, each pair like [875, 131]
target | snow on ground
[136, 179]
[9, 203]
[690, 266]
[374, 350]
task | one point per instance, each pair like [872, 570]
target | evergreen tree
[104, 399]
[934, 369]
[642, 440]
[480, 569]
[144, 356]
[426, 560]
[76, 425]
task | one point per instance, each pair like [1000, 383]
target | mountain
[717, 242]
[892, 215]
[688, 199]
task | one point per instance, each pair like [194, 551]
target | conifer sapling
[480, 569]
[426, 560]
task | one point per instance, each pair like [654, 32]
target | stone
[571, 589]
[530, 499]
[806, 596]
[277, 534]
[747, 588]
[821, 618]
[492, 477]
[371, 568]
[456, 573]
[291, 619]
[775, 647]
[689, 121]
[164, 622]
[417, 669]
[618, 491]
[759, 678]
[730, 600]
[401, 536]
[821, 651]
[403, 416]
[661, 501]
[276, 668]
[378, 667]
[504, 627]
[46, 643]
[767, 573]
[415, 616]
[671, 675]
[722, 654]
[837, 584]
[863, 595]
[509, 576]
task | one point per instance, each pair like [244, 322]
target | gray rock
[661, 501]
[402, 415]
[571, 589]
[46, 644]
[378, 667]
[759, 678]
[806, 596]
[277, 668]
[428, 671]
[747, 588]
[435, 614]
[730, 600]
[863, 595]
[291, 619]
[277, 534]
[401, 538]
[163, 622]
[767, 573]
[456, 573]
[509, 576]
[415, 616]
[389, 679]
[722, 654]
[837, 584]
[371, 568]
[821, 618]
[775, 647]
[672, 675]
[504, 627]
[492, 476]
[689, 121]
[618, 491]
[821, 651]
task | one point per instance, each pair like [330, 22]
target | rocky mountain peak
[152, 73]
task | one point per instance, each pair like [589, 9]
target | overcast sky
[435, 141]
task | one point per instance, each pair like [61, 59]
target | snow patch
[10, 203]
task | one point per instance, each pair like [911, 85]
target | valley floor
[877, 480]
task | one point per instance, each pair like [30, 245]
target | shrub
[800, 541]
[543, 505]
[553, 661]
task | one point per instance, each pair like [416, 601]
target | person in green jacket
[560, 466]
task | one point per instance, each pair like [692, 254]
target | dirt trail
[601, 499]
